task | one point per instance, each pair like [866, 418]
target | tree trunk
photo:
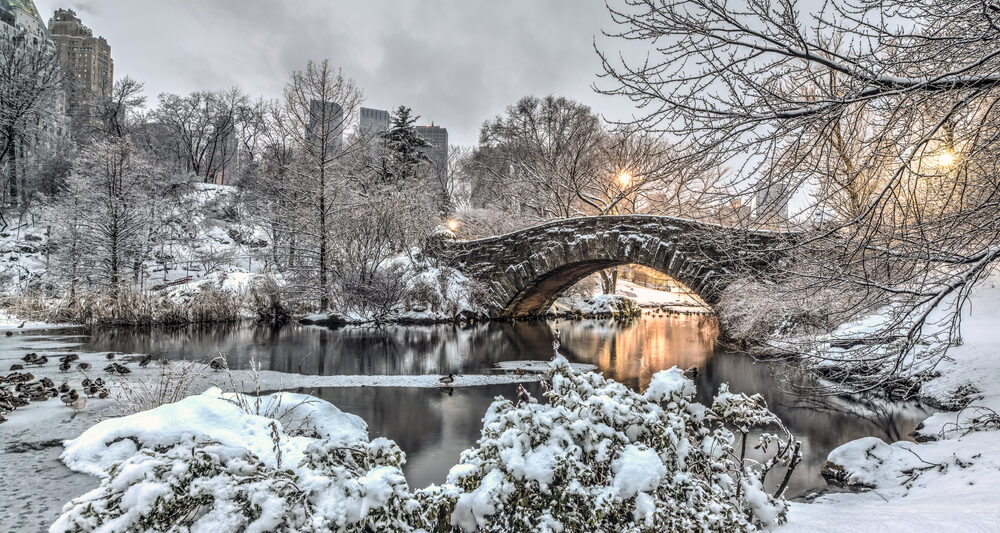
[324, 300]
[609, 280]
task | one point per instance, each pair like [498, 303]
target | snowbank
[539, 366]
[951, 484]
[217, 417]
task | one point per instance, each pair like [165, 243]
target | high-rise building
[438, 150]
[41, 123]
[21, 16]
[374, 120]
[772, 202]
[87, 62]
[331, 116]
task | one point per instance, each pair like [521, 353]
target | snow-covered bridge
[526, 270]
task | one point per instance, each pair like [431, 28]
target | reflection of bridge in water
[526, 270]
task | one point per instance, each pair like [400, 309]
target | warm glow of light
[945, 158]
[453, 225]
[624, 178]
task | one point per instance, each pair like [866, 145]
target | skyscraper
[87, 62]
[772, 202]
[438, 151]
[374, 120]
[326, 119]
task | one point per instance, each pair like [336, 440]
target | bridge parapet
[525, 271]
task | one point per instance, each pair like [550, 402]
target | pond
[433, 426]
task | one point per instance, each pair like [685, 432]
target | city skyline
[450, 67]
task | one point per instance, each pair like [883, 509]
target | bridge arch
[525, 271]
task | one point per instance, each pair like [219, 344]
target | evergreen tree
[403, 146]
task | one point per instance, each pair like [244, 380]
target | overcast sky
[455, 62]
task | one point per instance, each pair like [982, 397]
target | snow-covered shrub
[193, 486]
[210, 463]
[596, 456]
[601, 457]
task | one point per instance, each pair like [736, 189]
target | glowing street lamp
[946, 158]
[624, 178]
[453, 225]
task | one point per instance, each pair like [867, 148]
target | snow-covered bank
[599, 306]
[951, 484]
[646, 297]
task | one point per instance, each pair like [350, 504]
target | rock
[835, 474]
[330, 321]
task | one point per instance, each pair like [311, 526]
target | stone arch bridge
[525, 271]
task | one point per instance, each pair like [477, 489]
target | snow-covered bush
[192, 486]
[596, 456]
[601, 457]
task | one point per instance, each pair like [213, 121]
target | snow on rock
[866, 461]
[602, 305]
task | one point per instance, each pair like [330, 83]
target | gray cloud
[455, 62]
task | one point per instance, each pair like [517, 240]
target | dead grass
[174, 381]
[129, 307]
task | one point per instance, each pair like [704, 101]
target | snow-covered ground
[629, 299]
[647, 297]
[951, 484]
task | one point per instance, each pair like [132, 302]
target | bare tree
[544, 153]
[887, 108]
[318, 105]
[117, 108]
[202, 128]
[103, 211]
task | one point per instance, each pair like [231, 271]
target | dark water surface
[433, 427]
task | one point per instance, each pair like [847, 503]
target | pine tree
[403, 145]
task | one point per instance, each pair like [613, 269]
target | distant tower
[438, 151]
[87, 62]
[772, 202]
[332, 115]
[374, 120]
